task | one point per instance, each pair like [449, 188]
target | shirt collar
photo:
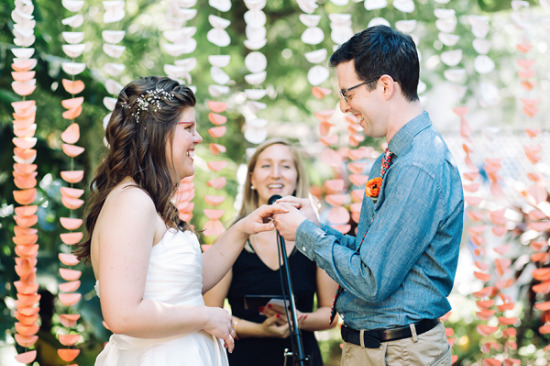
[408, 131]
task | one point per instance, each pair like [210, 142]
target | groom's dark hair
[382, 50]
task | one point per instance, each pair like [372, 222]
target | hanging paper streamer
[536, 192]
[526, 71]
[256, 62]
[179, 42]
[451, 57]
[446, 22]
[342, 211]
[371, 5]
[313, 35]
[71, 196]
[538, 221]
[496, 308]
[409, 26]
[219, 37]
[24, 175]
[114, 13]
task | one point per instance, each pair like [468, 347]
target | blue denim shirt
[405, 268]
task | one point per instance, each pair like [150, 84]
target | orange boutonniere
[372, 188]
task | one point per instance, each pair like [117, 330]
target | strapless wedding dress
[174, 277]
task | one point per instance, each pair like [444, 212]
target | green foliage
[289, 101]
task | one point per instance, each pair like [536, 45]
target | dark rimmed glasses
[344, 91]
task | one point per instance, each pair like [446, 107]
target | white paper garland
[488, 94]
[114, 13]
[256, 63]
[178, 41]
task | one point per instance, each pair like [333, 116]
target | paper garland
[180, 42]
[71, 196]
[24, 176]
[494, 306]
[219, 37]
[255, 61]
[446, 22]
[451, 57]
[536, 193]
[337, 195]
[114, 13]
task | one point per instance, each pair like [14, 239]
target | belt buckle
[367, 340]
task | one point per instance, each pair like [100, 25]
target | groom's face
[364, 104]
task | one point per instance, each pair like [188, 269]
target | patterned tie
[386, 161]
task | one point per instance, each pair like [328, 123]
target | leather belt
[373, 338]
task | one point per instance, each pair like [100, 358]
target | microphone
[296, 338]
[274, 198]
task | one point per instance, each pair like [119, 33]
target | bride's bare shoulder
[128, 199]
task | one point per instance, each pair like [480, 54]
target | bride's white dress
[174, 277]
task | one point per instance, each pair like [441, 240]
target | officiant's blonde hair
[250, 196]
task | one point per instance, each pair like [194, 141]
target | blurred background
[485, 75]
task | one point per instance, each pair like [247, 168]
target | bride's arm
[220, 257]
[125, 233]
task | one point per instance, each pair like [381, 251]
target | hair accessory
[148, 102]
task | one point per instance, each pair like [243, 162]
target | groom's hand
[287, 223]
[307, 206]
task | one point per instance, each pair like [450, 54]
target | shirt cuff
[307, 235]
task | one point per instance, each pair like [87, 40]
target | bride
[149, 268]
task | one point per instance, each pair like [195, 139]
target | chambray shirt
[405, 268]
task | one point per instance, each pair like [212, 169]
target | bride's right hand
[220, 324]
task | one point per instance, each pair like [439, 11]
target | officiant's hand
[220, 324]
[280, 313]
[275, 327]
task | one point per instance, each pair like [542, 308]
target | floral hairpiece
[148, 101]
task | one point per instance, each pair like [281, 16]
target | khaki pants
[430, 349]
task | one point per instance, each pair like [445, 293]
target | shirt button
[341, 316]
[304, 249]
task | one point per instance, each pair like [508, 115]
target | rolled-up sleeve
[401, 229]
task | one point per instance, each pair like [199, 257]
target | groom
[395, 275]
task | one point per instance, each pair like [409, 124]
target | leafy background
[290, 114]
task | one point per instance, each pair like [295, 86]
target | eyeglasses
[344, 91]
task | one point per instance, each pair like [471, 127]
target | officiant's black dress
[252, 277]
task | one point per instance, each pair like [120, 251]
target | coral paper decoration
[26, 357]
[70, 196]
[184, 197]
[218, 36]
[217, 183]
[24, 175]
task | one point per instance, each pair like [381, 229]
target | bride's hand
[220, 324]
[261, 219]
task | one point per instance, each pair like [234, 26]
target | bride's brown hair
[142, 123]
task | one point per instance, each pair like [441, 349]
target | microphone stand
[298, 352]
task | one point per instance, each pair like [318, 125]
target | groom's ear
[389, 86]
